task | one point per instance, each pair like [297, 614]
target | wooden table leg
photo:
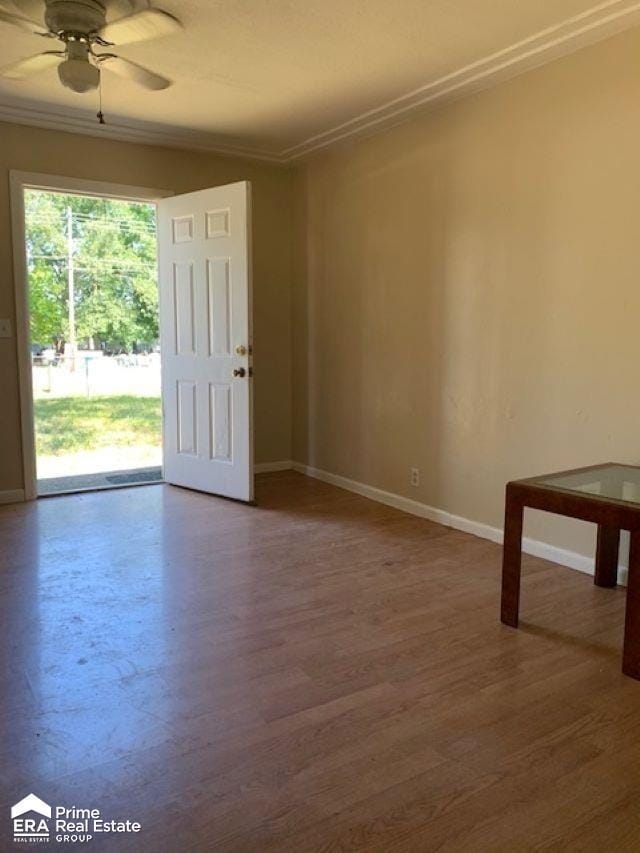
[607, 552]
[631, 653]
[511, 559]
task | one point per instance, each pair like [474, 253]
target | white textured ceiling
[271, 75]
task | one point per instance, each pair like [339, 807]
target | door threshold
[52, 486]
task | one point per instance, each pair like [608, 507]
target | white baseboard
[13, 496]
[266, 467]
[544, 550]
[388, 498]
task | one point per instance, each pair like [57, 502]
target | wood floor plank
[315, 673]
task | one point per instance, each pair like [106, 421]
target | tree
[116, 291]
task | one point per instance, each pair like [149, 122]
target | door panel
[183, 301]
[205, 309]
[219, 305]
[221, 422]
[187, 418]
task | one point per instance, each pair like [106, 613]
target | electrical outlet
[414, 477]
[5, 328]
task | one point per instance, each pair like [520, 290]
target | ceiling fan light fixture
[81, 26]
[79, 75]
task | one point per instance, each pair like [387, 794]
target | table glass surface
[618, 482]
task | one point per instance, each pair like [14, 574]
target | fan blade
[133, 71]
[23, 23]
[33, 65]
[147, 24]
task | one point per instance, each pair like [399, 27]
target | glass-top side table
[607, 495]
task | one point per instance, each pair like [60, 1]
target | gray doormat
[151, 475]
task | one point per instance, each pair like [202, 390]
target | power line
[85, 217]
[123, 225]
[96, 261]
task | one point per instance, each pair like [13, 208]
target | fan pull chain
[100, 113]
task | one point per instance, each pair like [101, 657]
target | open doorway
[94, 328]
[196, 412]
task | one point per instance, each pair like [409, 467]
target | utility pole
[72, 345]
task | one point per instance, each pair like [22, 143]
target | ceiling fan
[81, 25]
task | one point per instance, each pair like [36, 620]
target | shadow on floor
[568, 640]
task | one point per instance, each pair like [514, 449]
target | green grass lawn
[74, 424]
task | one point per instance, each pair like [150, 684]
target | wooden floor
[318, 673]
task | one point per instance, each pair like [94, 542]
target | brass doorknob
[240, 371]
[241, 350]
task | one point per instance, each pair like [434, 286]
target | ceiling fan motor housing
[81, 17]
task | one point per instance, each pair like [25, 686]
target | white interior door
[204, 247]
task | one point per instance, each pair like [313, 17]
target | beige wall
[465, 297]
[35, 150]
[467, 292]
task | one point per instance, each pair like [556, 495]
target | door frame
[19, 182]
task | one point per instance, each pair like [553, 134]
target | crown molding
[597, 23]
[143, 133]
[592, 25]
